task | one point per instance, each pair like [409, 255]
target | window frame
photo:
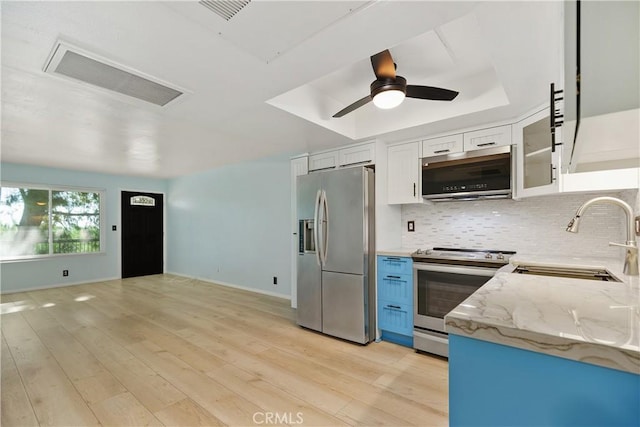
[51, 188]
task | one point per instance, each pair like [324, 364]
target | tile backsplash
[533, 226]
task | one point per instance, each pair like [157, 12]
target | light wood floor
[166, 350]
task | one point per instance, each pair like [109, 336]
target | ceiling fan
[388, 90]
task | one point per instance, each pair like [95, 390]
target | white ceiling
[264, 83]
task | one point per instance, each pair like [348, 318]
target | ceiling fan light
[388, 99]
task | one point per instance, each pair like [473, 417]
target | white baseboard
[232, 285]
[57, 285]
[215, 282]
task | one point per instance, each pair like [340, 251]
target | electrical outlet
[114, 228]
[275, 280]
[65, 273]
[411, 226]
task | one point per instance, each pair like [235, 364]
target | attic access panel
[74, 63]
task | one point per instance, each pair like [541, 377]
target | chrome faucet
[631, 256]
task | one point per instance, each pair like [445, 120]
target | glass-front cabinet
[538, 161]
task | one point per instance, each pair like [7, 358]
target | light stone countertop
[590, 321]
[406, 252]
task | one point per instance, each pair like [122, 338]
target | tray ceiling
[454, 56]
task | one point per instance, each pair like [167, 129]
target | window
[37, 222]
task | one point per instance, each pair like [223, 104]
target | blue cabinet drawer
[395, 265]
[395, 317]
[395, 287]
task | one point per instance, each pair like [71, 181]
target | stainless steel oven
[443, 278]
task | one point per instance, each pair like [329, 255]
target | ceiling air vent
[72, 62]
[225, 9]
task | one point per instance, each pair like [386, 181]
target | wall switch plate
[65, 273]
[411, 226]
[638, 226]
[114, 228]
[275, 280]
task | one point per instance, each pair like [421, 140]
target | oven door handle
[454, 269]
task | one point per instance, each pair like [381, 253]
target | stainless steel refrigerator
[336, 253]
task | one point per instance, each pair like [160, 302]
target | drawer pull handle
[441, 151]
[396, 307]
[389, 258]
[486, 144]
[393, 277]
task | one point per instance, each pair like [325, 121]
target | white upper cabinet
[538, 164]
[443, 145]
[403, 173]
[487, 138]
[537, 160]
[360, 154]
[357, 155]
[608, 105]
[325, 160]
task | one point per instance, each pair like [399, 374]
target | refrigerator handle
[316, 225]
[325, 227]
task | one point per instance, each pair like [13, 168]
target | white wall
[47, 272]
[534, 226]
[231, 225]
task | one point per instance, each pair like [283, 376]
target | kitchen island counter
[529, 350]
[589, 321]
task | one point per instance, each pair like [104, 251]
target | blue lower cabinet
[395, 299]
[497, 385]
[395, 287]
[395, 321]
[405, 340]
[395, 317]
[395, 265]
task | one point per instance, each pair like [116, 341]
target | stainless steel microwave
[471, 175]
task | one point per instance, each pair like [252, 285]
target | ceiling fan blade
[429, 92]
[359, 103]
[383, 65]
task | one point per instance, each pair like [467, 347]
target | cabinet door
[487, 138]
[605, 74]
[395, 287]
[326, 160]
[358, 155]
[403, 174]
[395, 317]
[444, 145]
[395, 265]
[537, 163]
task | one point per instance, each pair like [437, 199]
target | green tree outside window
[37, 222]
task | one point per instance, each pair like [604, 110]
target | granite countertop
[396, 252]
[590, 321]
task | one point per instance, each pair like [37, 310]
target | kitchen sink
[569, 272]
